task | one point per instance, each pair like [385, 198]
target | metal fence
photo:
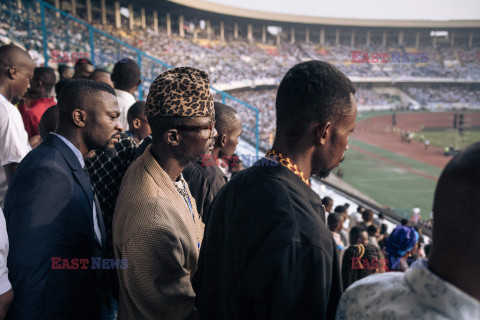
[63, 38]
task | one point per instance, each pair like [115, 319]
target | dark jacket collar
[65, 150]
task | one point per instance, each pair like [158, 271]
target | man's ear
[79, 118]
[12, 73]
[172, 137]
[322, 133]
[223, 140]
[139, 82]
[136, 123]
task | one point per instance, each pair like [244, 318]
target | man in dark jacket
[54, 221]
[267, 253]
[207, 177]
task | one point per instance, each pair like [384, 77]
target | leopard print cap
[183, 92]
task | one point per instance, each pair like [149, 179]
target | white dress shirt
[82, 163]
[125, 101]
[4, 282]
[416, 294]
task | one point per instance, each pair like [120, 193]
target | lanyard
[191, 212]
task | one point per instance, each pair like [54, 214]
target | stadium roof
[205, 9]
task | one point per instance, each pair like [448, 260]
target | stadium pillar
[264, 34]
[104, 12]
[155, 21]
[434, 42]
[144, 19]
[89, 10]
[181, 31]
[368, 38]
[222, 31]
[209, 30]
[322, 36]
[307, 35]
[278, 39]
[470, 40]
[235, 31]
[57, 5]
[337, 37]
[452, 39]
[417, 40]
[384, 39]
[130, 17]
[292, 36]
[118, 21]
[74, 8]
[169, 25]
[250, 33]
[400, 38]
[352, 38]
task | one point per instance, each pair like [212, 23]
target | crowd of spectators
[85, 190]
[445, 94]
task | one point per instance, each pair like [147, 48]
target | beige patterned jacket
[155, 232]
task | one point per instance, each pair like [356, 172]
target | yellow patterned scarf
[286, 162]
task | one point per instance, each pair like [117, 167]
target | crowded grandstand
[150, 55]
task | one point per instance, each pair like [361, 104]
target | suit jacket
[267, 253]
[155, 232]
[48, 209]
[204, 182]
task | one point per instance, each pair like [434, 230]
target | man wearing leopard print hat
[156, 227]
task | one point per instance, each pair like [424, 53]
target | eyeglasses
[210, 126]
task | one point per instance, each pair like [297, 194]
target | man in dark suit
[53, 219]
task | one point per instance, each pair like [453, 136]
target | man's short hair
[60, 85]
[333, 220]
[47, 76]
[62, 68]
[356, 233]
[98, 70]
[126, 74]
[312, 91]
[224, 118]
[340, 209]
[83, 61]
[77, 94]
[326, 201]
[456, 205]
[135, 111]
[48, 122]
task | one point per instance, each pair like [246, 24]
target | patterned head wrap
[181, 92]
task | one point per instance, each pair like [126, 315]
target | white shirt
[4, 282]
[79, 156]
[14, 144]
[125, 101]
[416, 294]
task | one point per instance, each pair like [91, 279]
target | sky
[367, 9]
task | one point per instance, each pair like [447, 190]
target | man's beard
[321, 173]
[188, 157]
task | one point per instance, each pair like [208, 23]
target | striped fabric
[154, 230]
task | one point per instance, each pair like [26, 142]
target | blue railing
[66, 32]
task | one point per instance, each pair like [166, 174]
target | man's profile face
[22, 81]
[102, 122]
[232, 138]
[197, 138]
[338, 143]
